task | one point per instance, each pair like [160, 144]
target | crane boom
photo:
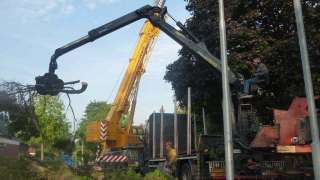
[124, 103]
[156, 16]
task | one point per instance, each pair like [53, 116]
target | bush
[18, 169]
[128, 175]
[156, 175]
[85, 178]
[133, 175]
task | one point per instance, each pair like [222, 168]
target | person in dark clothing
[261, 74]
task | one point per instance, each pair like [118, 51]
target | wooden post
[154, 136]
[176, 138]
[161, 132]
[42, 152]
[195, 131]
[205, 132]
[189, 123]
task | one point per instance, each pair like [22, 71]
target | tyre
[186, 173]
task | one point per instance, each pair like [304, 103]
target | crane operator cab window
[138, 131]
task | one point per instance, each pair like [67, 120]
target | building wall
[9, 148]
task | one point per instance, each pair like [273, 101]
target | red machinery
[291, 132]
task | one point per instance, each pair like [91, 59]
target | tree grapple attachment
[50, 84]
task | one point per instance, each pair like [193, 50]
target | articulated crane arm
[156, 16]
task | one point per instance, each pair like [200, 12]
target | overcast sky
[32, 29]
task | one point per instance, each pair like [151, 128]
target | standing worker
[261, 74]
[171, 158]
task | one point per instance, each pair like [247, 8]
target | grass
[132, 175]
[27, 169]
[24, 168]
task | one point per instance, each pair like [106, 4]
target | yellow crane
[123, 106]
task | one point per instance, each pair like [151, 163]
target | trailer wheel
[185, 172]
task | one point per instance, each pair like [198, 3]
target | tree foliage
[35, 119]
[95, 111]
[259, 28]
[54, 129]
[19, 103]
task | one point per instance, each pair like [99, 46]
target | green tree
[35, 119]
[19, 103]
[95, 111]
[260, 28]
[52, 122]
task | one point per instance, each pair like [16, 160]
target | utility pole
[309, 89]
[227, 127]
